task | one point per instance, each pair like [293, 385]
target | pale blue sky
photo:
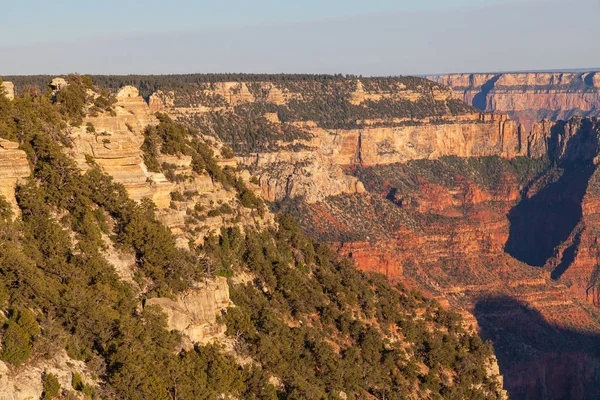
[376, 37]
[34, 21]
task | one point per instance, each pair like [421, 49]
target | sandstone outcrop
[25, 383]
[529, 97]
[194, 214]
[57, 84]
[9, 90]
[14, 167]
[113, 141]
[194, 312]
[307, 174]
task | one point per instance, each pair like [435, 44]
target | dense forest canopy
[148, 84]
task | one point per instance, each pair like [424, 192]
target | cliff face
[114, 144]
[14, 167]
[113, 140]
[309, 166]
[26, 383]
[194, 312]
[529, 97]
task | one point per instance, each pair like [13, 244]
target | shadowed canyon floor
[545, 219]
[539, 360]
[446, 227]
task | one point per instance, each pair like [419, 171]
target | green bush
[51, 386]
[16, 344]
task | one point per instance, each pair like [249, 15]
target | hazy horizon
[382, 38]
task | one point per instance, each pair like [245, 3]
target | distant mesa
[529, 97]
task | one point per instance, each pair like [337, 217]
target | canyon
[529, 97]
[492, 214]
[206, 277]
[495, 215]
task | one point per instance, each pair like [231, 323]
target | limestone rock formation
[233, 92]
[57, 84]
[315, 173]
[397, 92]
[9, 89]
[529, 97]
[307, 174]
[198, 192]
[14, 167]
[159, 100]
[194, 312]
[25, 383]
[113, 142]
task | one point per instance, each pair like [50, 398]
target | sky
[363, 37]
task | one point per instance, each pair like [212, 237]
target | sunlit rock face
[115, 143]
[529, 97]
[9, 89]
[14, 168]
[194, 312]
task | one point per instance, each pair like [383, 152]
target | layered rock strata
[14, 167]
[113, 141]
[529, 97]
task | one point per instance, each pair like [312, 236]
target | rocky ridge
[194, 312]
[112, 140]
[529, 97]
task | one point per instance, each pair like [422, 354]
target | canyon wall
[14, 168]
[529, 97]
[113, 141]
[451, 205]
[314, 172]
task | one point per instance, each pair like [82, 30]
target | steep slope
[529, 97]
[99, 301]
[439, 201]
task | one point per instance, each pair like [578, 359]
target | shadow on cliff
[480, 99]
[546, 219]
[539, 360]
[550, 210]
